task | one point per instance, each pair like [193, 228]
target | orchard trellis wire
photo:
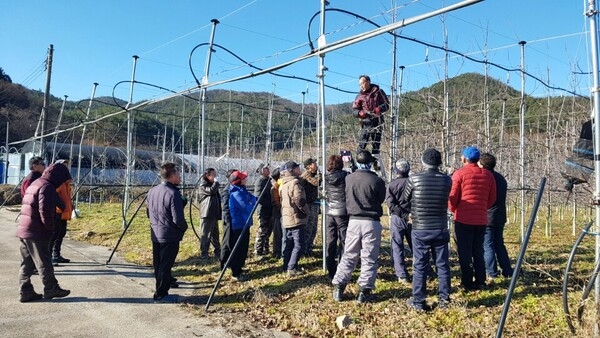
[427, 118]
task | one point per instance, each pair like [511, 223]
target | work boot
[338, 292]
[29, 297]
[56, 292]
[365, 296]
[60, 259]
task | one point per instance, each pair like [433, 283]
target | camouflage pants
[265, 228]
[311, 228]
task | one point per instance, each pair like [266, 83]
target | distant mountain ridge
[22, 107]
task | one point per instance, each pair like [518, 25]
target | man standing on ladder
[370, 102]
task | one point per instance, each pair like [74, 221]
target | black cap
[364, 157]
[290, 165]
[432, 157]
[309, 161]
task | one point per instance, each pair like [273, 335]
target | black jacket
[265, 204]
[210, 199]
[425, 196]
[497, 213]
[225, 206]
[394, 194]
[365, 192]
[335, 185]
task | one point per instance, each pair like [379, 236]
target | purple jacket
[38, 210]
[165, 211]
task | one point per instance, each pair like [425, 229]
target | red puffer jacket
[38, 208]
[473, 193]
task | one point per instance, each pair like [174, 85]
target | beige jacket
[294, 210]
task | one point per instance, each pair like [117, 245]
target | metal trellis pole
[215, 22]
[522, 138]
[87, 115]
[592, 13]
[322, 69]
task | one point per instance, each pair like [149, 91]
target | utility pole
[62, 109]
[44, 116]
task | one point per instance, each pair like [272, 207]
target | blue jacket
[241, 202]
[165, 211]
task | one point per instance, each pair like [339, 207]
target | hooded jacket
[294, 209]
[38, 210]
[210, 199]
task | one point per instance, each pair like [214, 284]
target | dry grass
[304, 306]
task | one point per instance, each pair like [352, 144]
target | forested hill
[22, 107]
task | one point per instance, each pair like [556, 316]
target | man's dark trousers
[469, 242]
[163, 258]
[425, 241]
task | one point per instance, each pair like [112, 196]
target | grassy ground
[304, 306]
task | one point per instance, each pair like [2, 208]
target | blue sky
[94, 42]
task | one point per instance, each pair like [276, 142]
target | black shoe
[365, 296]
[29, 297]
[174, 285]
[338, 292]
[57, 292]
[239, 278]
[60, 259]
[166, 299]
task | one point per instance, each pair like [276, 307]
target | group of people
[46, 208]
[419, 204]
[287, 204]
